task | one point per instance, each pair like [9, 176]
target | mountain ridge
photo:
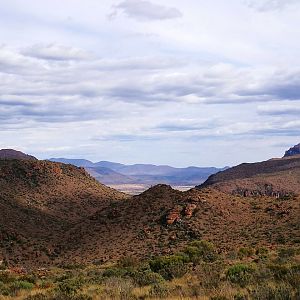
[147, 174]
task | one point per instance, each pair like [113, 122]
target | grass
[197, 272]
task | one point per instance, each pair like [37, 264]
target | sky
[195, 82]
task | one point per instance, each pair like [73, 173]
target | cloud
[275, 109]
[142, 10]
[270, 5]
[187, 125]
[55, 52]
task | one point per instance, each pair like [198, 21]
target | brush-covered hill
[275, 177]
[52, 213]
[163, 221]
[14, 154]
[40, 201]
[249, 205]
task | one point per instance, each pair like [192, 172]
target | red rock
[189, 210]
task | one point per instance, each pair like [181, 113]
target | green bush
[245, 252]
[240, 274]
[69, 287]
[19, 285]
[205, 250]
[116, 272]
[169, 267]
[147, 277]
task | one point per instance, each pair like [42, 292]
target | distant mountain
[110, 165]
[146, 174]
[108, 176]
[293, 151]
[14, 154]
[76, 162]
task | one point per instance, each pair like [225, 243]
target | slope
[40, 201]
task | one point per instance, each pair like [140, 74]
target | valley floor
[136, 189]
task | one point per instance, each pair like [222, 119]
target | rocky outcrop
[174, 215]
[179, 213]
[293, 151]
[266, 190]
[189, 210]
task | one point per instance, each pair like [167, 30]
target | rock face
[179, 212]
[264, 190]
[293, 151]
[13, 154]
[174, 215]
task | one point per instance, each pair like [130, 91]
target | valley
[57, 218]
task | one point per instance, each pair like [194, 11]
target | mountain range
[53, 213]
[116, 174]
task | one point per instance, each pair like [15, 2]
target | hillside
[163, 220]
[41, 200]
[52, 213]
[13, 154]
[275, 177]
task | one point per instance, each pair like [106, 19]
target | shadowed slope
[39, 202]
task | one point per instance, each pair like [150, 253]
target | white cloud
[194, 90]
[270, 5]
[143, 10]
[55, 52]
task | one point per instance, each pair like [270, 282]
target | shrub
[39, 296]
[265, 292]
[245, 252]
[115, 272]
[159, 290]
[279, 271]
[262, 253]
[118, 288]
[206, 250]
[286, 253]
[210, 274]
[4, 290]
[240, 274]
[169, 267]
[147, 277]
[128, 262]
[69, 287]
[240, 297]
[5, 277]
